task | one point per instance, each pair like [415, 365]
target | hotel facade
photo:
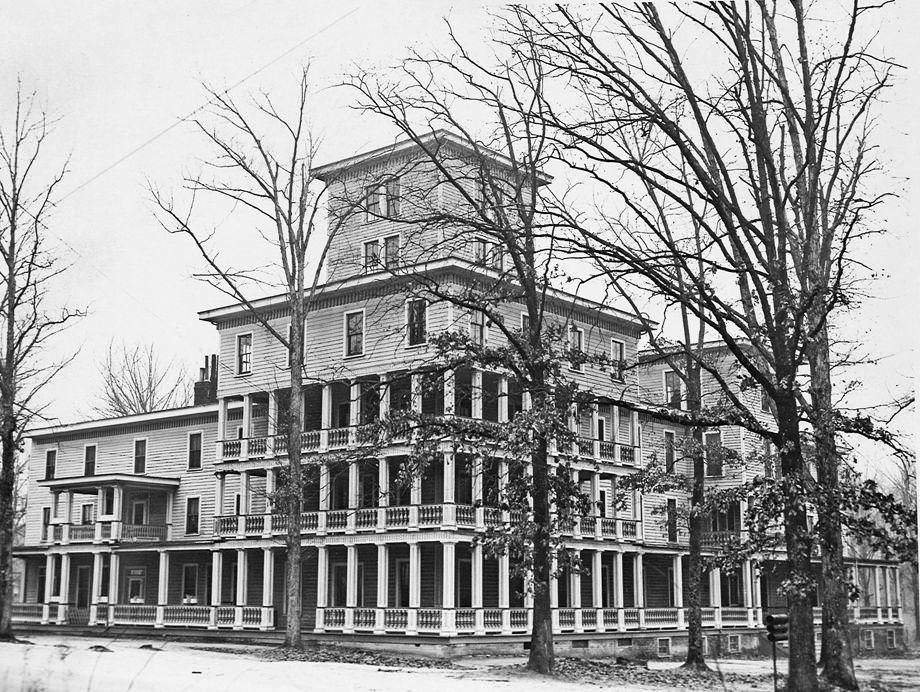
[166, 519]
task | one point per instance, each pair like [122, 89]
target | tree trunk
[7, 511]
[695, 658]
[836, 652]
[803, 673]
[294, 493]
[542, 656]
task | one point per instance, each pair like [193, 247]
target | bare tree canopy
[28, 268]
[136, 380]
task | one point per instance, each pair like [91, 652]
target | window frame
[238, 360]
[188, 501]
[92, 517]
[658, 649]
[345, 316]
[680, 387]
[392, 202]
[706, 435]
[372, 196]
[408, 314]
[53, 451]
[386, 261]
[188, 450]
[620, 363]
[482, 338]
[95, 448]
[574, 329]
[146, 442]
[146, 505]
[669, 466]
[377, 262]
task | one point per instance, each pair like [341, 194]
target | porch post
[354, 410]
[476, 595]
[217, 577]
[575, 590]
[68, 516]
[351, 586]
[476, 394]
[49, 584]
[383, 408]
[321, 584]
[595, 505]
[504, 588]
[114, 581]
[450, 490]
[448, 614]
[554, 593]
[715, 594]
[271, 482]
[219, 494]
[383, 499]
[747, 591]
[64, 593]
[477, 491]
[618, 588]
[415, 392]
[639, 587]
[162, 587]
[325, 415]
[878, 593]
[247, 426]
[272, 423]
[382, 585]
[415, 579]
[597, 588]
[325, 497]
[352, 496]
[679, 588]
[268, 589]
[755, 594]
[503, 399]
[97, 529]
[450, 404]
[97, 589]
[242, 564]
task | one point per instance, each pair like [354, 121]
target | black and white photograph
[409, 345]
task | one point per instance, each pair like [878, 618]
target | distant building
[164, 519]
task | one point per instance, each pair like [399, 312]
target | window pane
[140, 456]
[194, 451]
[354, 330]
[417, 314]
[392, 193]
[371, 254]
[391, 251]
[244, 353]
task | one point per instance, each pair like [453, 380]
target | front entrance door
[83, 586]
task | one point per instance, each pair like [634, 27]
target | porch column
[64, 593]
[68, 516]
[755, 594]
[476, 394]
[575, 591]
[100, 503]
[595, 416]
[324, 492]
[878, 593]
[219, 482]
[450, 490]
[554, 593]
[747, 591]
[321, 585]
[217, 577]
[476, 595]
[49, 584]
[354, 410]
[679, 588]
[477, 491]
[415, 583]
[383, 499]
[639, 587]
[221, 427]
[271, 485]
[268, 589]
[162, 587]
[97, 589]
[382, 585]
[272, 421]
[449, 393]
[618, 588]
[247, 425]
[415, 392]
[715, 593]
[596, 505]
[597, 587]
[352, 496]
[114, 581]
[503, 399]
[242, 564]
[325, 415]
[118, 499]
[448, 615]
[245, 492]
[383, 407]
[504, 588]
[351, 586]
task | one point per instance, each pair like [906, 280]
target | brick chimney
[206, 386]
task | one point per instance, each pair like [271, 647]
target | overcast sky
[119, 74]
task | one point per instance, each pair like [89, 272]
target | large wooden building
[165, 519]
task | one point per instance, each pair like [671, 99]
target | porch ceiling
[92, 483]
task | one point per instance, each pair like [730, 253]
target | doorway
[83, 586]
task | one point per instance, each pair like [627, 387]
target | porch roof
[86, 483]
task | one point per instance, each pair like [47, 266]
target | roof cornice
[134, 419]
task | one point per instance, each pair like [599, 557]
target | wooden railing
[28, 612]
[143, 532]
[82, 533]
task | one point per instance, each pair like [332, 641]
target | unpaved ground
[53, 663]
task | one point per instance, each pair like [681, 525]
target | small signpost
[777, 631]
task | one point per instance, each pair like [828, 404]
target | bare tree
[135, 381]
[263, 170]
[28, 268]
[774, 168]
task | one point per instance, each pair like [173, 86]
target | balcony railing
[719, 539]
[399, 517]
[28, 612]
[143, 532]
[82, 533]
[134, 614]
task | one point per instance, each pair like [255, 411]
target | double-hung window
[192, 511]
[190, 583]
[371, 255]
[478, 328]
[391, 190]
[673, 394]
[372, 202]
[244, 354]
[391, 251]
[50, 464]
[89, 460]
[354, 333]
[669, 451]
[194, 450]
[140, 456]
[618, 358]
[712, 449]
[576, 345]
[416, 318]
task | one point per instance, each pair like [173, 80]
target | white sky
[119, 73]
